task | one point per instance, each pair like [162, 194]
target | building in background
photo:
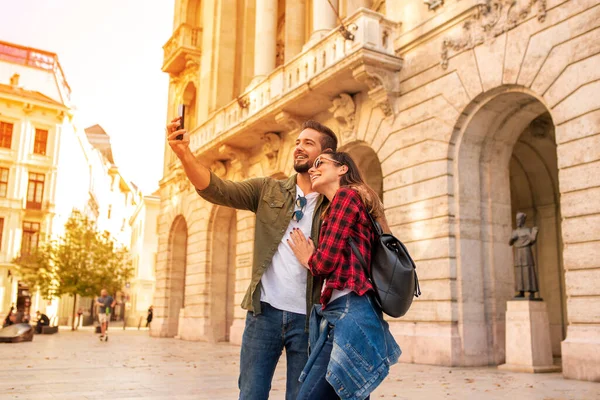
[144, 243]
[460, 114]
[50, 166]
[35, 115]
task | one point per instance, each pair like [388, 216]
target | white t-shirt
[284, 281]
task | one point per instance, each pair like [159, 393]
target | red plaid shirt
[334, 258]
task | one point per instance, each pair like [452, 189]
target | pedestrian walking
[149, 317]
[105, 305]
[281, 291]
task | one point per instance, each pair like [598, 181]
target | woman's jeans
[265, 337]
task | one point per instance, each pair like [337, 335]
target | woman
[351, 348]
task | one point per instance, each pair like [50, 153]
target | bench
[48, 330]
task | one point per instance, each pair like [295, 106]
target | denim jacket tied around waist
[363, 347]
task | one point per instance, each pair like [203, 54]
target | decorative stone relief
[271, 146]
[27, 108]
[182, 182]
[383, 85]
[290, 121]
[219, 169]
[344, 111]
[237, 158]
[491, 18]
[540, 127]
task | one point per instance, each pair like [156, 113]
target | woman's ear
[343, 170]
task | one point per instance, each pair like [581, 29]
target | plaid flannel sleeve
[343, 212]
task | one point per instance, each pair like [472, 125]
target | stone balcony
[307, 85]
[184, 44]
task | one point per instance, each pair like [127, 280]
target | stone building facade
[459, 112]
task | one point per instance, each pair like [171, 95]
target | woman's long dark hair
[353, 179]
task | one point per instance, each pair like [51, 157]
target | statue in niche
[522, 240]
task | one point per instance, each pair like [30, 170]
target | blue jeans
[315, 386]
[265, 337]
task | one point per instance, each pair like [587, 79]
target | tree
[80, 263]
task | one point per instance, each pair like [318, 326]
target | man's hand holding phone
[177, 137]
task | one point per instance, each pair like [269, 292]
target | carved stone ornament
[219, 169]
[491, 19]
[382, 83]
[237, 158]
[182, 182]
[290, 121]
[344, 111]
[271, 147]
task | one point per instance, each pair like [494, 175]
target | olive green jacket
[273, 203]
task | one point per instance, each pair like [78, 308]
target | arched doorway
[177, 270]
[222, 276]
[189, 100]
[367, 161]
[504, 161]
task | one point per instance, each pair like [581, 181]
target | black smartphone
[181, 113]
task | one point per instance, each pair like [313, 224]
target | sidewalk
[132, 365]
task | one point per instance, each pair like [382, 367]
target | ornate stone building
[459, 112]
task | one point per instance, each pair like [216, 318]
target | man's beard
[302, 167]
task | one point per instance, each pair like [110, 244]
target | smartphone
[181, 113]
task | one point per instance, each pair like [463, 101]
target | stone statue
[522, 240]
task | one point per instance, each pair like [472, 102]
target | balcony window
[3, 182]
[31, 237]
[6, 131]
[41, 139]
[35, 191]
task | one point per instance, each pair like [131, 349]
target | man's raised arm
[197, 173]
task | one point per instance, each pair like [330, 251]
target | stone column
[295, 21]
[324, 18]
[265, 38]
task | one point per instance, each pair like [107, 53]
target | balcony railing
[37, 207]
[306, 85]
[186, 41]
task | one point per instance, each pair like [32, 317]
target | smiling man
[281, 291]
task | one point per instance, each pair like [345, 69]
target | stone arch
[177, 267]
[221, 278]
[367, 160]
[493, 153]
[188, 98]
[193, 13]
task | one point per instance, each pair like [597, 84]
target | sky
[111, 54]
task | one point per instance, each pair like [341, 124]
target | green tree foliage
[80, 263]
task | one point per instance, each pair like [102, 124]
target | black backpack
[393, 272]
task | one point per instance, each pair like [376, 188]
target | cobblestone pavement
[132, 365]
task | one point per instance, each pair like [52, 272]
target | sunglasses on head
[319, 161]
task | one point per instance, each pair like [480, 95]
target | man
[42, 320]
[281, 291]
[105, 305]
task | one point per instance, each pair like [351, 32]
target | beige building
[460, 113]
[34, 117]
[144, 244]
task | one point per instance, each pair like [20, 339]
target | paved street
[134, 366]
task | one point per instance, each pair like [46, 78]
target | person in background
[42, 320]
[105, 305]
[348, 323]
[149, 317]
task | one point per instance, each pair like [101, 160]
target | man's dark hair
[328, 138]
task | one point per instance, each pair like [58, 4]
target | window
[35, 191]
[31, 236]
[41, 139]
[1, 231]
[3, 182]
[6, 131]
